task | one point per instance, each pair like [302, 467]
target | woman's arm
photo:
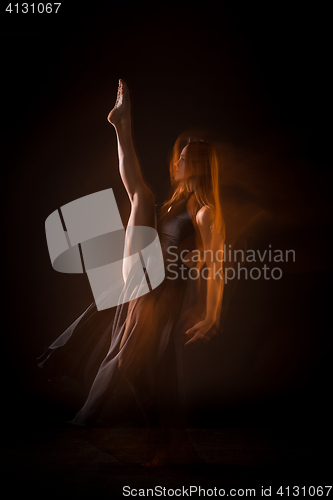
[212, 246]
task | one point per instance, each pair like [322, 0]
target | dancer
[150, 334]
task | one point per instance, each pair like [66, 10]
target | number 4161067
[40, 8]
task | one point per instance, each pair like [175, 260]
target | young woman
[150, 334]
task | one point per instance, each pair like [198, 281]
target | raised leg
[142, 199]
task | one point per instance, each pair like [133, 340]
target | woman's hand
[199, 331]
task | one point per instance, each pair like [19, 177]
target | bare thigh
[143, 213]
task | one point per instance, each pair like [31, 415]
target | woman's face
[180, 166]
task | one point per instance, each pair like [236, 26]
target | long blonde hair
[203, 165]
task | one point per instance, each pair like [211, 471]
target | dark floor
[51, 462]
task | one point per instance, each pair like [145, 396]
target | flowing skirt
[130, 361]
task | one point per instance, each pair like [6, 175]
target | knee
[143, 196]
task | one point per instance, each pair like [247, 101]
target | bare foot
[159, 460]
[121, 111]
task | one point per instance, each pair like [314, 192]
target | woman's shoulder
[204, 216]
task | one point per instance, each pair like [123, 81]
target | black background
[254, 76]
